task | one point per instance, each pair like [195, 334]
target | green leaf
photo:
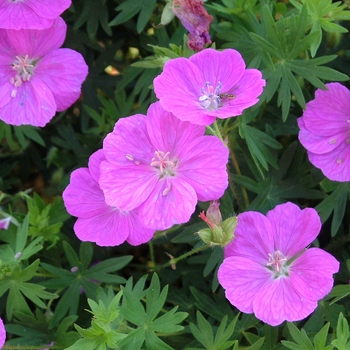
[341, 343]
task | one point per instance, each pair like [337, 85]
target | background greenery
[67, 294]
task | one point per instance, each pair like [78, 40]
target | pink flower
[163, 166]
[325, 131]
[268, 271]
[37, 78]
[196, 20]
[97, 221]
[30, 14]
[2, 334]
[5, 223]
[207, 85]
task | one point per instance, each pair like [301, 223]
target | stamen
[277, 260]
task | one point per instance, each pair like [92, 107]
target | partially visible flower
[98, 222]
[30, 14]
[207, 85]
[2, 334]
[163, 166]
[325, 131]
[267, 269]
[5, 223]
[37, 78]
[219, 232]
[195, 18]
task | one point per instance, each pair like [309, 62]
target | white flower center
[162, 162]
[210, 98]
[23, 66]
[277, 262]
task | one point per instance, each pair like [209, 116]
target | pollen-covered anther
[277, 260]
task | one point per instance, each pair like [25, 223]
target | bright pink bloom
[30, 14]
[37, 78]
[97, 221]
[163, 166]
[267, 269]
[325, 131]
[195, 18]
[5, 223]
[2, 334]
[207, 85]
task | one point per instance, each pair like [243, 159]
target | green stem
[151, 253]
[174, 261]
[217, 131]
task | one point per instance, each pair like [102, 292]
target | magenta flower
[37, 78]
[163, 166]
[5, 223]
[324, 131]
[195, 18]
[207, 85]
[30, 14]
[267, 269]
[2, 334]
[98, 222]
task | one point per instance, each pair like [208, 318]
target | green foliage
[81, 277]
[149, 326]
[204, 333]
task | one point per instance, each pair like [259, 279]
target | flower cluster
[37, 77]
[267, 269]
[154, 168]
[325, 131]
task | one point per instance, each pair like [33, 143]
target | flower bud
[218, 233]
[167, 14]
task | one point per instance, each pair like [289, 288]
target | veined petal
[129, 143]
[83, 197]
[172, 201]
[202, 164]
[329, 113]
[168, 133]
[30, 14]
[2, 334]
[178, 88]
[63, 71]
[334, 164]
[312, 273]
[37, 43]
[293, 229]
[253, 238]
[95, 161]
[242, 279]
[246, 92]
[226, 67]
[319, 144]
[278, 301]
[33, 104]
[127, 187]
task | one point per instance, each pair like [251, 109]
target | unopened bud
[167, 14]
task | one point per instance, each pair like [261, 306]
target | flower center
[277, 261]
[210, 98]
[23, 66]
[162, 162]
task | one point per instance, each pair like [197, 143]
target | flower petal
[83, 197]
[226, 67]
[37, 43]
[334, 164]
[178, 88]
[203, 165]
[172, 201]
[293, 228]
[63, 71]
[242, 279]
[168, 133]
[2, 334]
[278, 301]
[33, 104]
[253, 238]
[313, 281]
